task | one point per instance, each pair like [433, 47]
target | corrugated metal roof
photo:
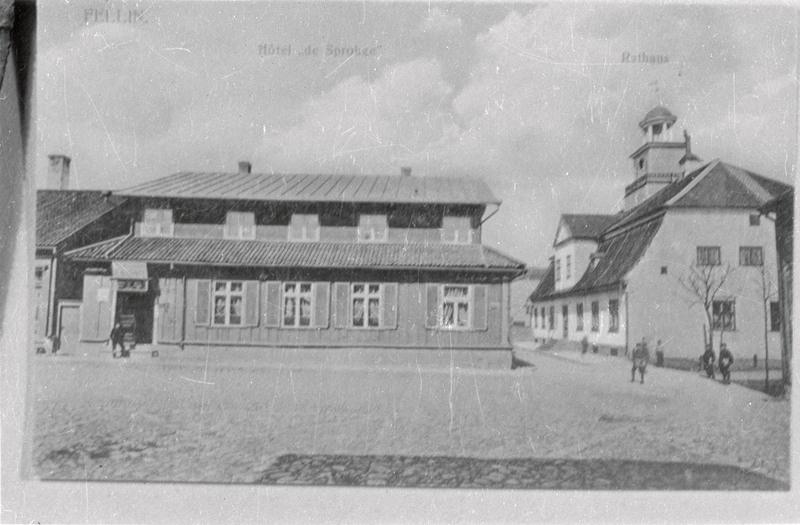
[297, 254]
[63, 213]
[318, 188]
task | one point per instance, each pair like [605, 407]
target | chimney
[405, 171]
[244, 167]
[58, 174]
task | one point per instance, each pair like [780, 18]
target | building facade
[302, 261]
[616, 279]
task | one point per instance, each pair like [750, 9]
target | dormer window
[372, 228]
[240, 225]
[304, 227]
[457, 230]
[157, 223]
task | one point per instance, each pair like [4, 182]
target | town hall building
[617, 279]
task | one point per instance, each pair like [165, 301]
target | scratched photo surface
[439, 245]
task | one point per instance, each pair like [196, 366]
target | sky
[540, 100]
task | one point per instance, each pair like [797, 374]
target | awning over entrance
[128, 270]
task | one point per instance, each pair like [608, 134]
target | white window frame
[568, 267]
[747, 252]
[613, 316]
[160, 227]
[308, 232]
[237, 228]
[717, 319]
[297, 295]
[456, 302]
[707, 251]
[558, 270]
[228, 294]
[462, 224]
[368, 230]
[595, 309]
[366, 294]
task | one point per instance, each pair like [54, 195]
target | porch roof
[229, 252]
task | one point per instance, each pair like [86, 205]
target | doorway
[69, 316]
[135, 313]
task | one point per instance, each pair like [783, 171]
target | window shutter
[390, 305]
[251, 303]
[342, 305]
[272, 310]
[479, 307]
[432, 317]
[321, 304]
[202, 310]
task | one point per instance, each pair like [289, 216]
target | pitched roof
[587, 226]
[298, 254]
[619, 255]
[63, 213]
[318, 188]
[728, 186]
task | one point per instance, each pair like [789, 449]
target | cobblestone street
[560, 423]
[464, 473]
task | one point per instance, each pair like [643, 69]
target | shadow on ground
[522, 473]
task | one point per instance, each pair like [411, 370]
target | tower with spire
[660, 160]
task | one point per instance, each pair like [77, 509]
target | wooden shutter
[342, 305]
[251, 303]
[432, 308]
[479, 307]
[272, 308]
[321, 304]
[390, 306]
[202, 303]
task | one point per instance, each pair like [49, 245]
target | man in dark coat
[708, 362]
[116, 337]
[641, 356]
[725, 362]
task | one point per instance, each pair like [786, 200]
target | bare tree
[703, 283]
[768, 290]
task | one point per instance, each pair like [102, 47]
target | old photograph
[413, 245]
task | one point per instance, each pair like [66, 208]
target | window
[552, 316]
[613, 315]
[457, 230]
[304, 227]
[558, 270]
[157, 223]
[579, 317]
[228, 303]
[568, 268]
[755, 219]
[372, 228]
[455, 307]
[240, 225]
[297, 307]
[366, 307]
[595, 316]
[663, 270]
[708, 256]
[774, 316]
[751, 256]
[536, 318]
[723, 314]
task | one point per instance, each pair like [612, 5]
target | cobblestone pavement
[152, 420]
[519, 473]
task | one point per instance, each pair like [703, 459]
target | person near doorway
[725, 362]
[117, 337]
[708, 362]
[641, 356]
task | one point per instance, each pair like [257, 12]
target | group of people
[725, 361]
[641, 357]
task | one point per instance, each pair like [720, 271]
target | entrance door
[135, 312]
[69, 329]
[565, 320]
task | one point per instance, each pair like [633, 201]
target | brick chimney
[244, 167]
[405, 171]
[58, 173]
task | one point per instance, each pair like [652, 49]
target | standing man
[659, 354]
[725, 362]
[116, 337]
[708, 362]
[641, 356]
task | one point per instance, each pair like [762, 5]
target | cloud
[440, 21]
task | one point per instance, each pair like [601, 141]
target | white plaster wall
[602, 337]
[661, 309]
